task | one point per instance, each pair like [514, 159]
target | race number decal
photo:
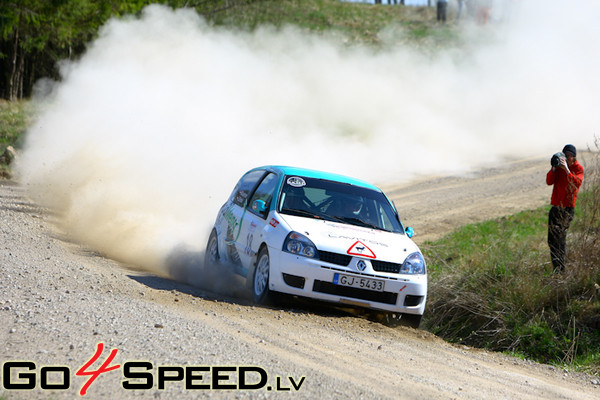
[296, 181]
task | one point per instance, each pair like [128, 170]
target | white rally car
[322, 236]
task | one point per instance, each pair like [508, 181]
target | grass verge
[14, 119]
[351, 22]
[492, 285]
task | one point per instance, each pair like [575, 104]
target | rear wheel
[259, 277]
[211, 256]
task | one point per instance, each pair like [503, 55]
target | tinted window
[265, 192]
[245, 186]
[335, 201]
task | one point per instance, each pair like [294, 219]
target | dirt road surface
[59, 300]
[434, 206]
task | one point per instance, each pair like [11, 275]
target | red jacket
[564, 192]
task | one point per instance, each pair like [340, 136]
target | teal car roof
[310, 173]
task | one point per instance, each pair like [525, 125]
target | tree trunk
[12, 82]
[20, 76]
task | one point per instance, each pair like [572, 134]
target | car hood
[353, 240]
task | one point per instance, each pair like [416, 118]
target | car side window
[245, 186]
[264, 192]
[386, 217]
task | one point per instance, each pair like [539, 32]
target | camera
[555, 160]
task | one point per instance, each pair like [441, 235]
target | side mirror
[410, 232]
[259, 206]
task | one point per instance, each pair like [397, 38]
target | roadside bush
[492, 284]
[14, 118]
[585, 241]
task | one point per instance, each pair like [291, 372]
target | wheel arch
[263, 245]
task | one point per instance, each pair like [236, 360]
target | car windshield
[336, 201]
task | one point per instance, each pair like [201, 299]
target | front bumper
[312, 278]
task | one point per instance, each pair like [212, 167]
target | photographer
[566, 175]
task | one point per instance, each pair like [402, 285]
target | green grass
[350, 22]
[492, 286]
[14, 119]
[491, 242]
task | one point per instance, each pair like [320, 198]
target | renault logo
[361, 265]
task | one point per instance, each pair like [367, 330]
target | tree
[35, 34]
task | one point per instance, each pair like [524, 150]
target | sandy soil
[434, 206]
[60, 299]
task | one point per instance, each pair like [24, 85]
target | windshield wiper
[301, 213]
[359, 222]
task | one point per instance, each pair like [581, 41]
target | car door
[254, 221]
[233, 216]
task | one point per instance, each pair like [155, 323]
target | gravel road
[60, 300]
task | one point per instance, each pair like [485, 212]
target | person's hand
[564, 165]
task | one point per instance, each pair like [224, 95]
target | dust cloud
[145, 136]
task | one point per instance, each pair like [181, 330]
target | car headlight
[297, 243]
[414, 265]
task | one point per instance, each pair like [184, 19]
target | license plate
[358, 282]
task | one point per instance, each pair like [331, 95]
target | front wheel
[259, 277]
[411, 320]
[392, 319]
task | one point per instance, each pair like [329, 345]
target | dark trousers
[559, 220]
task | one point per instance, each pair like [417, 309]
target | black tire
[258, 278]
[411, 320]
[211, 256]
[397, 319]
